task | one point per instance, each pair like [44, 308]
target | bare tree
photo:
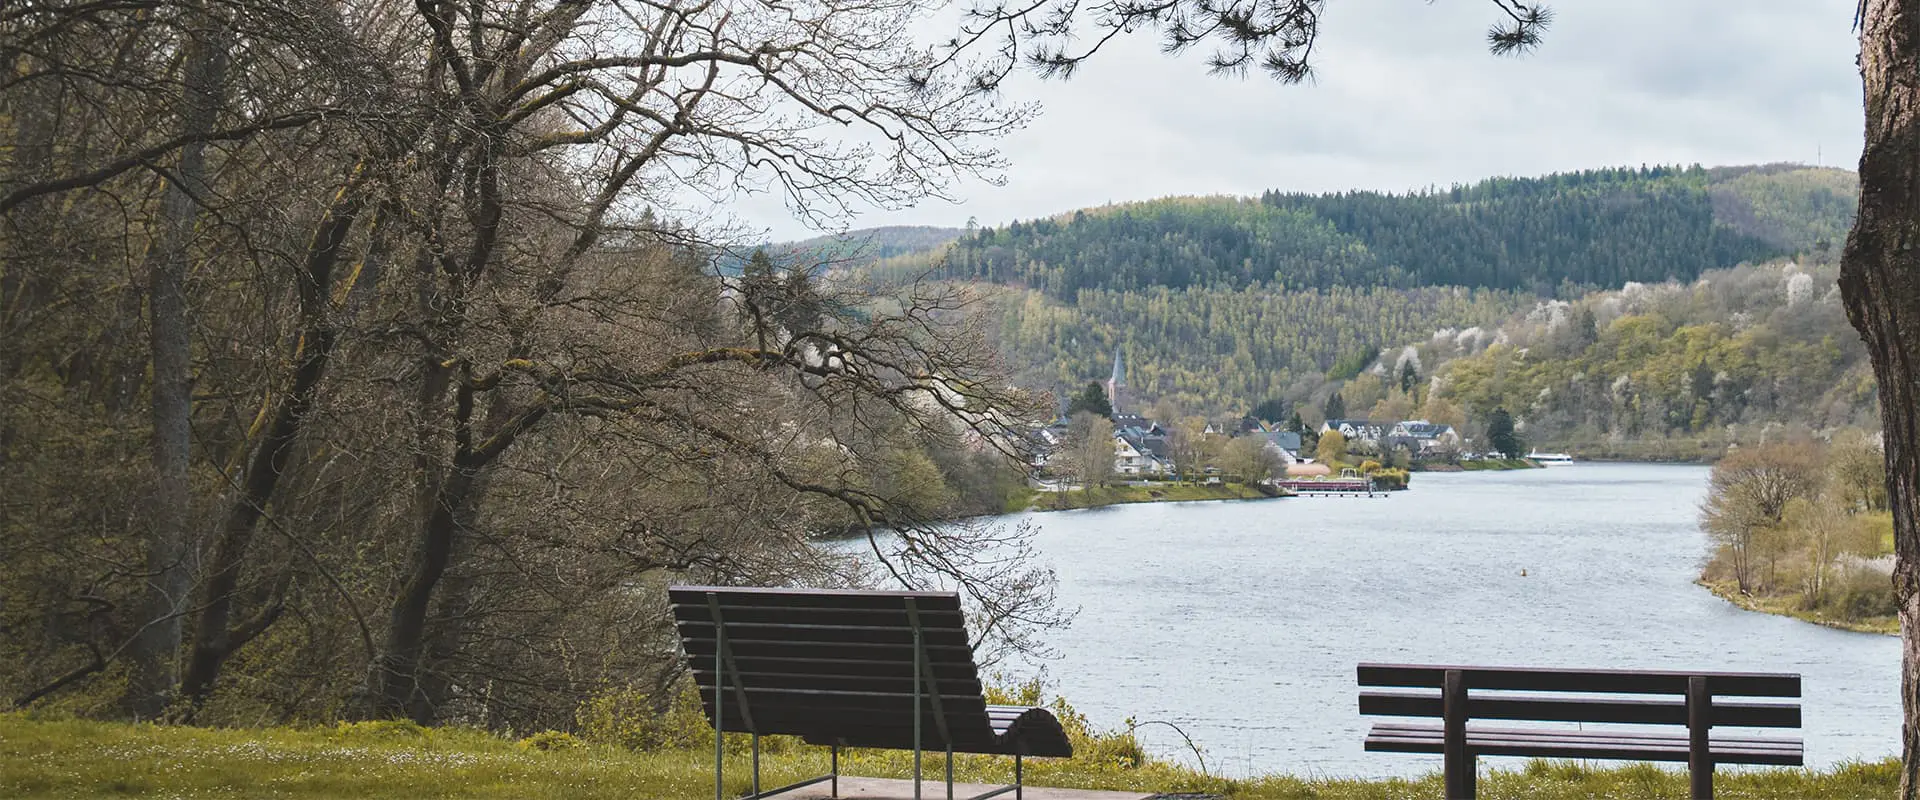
[1748, 495]
[1090, 449]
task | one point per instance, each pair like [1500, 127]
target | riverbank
[1793, 606]
[398, 761]
[1069, 499]
[1479, 465]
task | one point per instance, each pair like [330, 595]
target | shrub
[1389, 479]
[635, 720]
[548, 741]
[1865, 593]
[379, 730]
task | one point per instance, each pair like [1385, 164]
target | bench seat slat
[1641, 711]
[1742, 684]
[827, 634]
[811, 598]
[1416, 729]
[885, 684]
[760, 615]
[898, 653]
[852, 667]
[1585, 744]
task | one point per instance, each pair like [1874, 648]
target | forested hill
[882, 242]
[1598, 228]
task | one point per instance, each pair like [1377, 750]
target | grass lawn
[70, 758]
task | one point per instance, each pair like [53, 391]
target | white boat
[1550, 459]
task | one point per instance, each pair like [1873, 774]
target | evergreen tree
[1272, 409]
[1092, 400]
[1336, 408]
[1501, 435]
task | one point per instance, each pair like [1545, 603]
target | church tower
[1117, 384]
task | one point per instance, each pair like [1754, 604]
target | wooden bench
[850, 669]
[1459, 695]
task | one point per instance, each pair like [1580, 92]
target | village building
[1421, 437]
[1358, 431]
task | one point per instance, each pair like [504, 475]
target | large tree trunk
[215, 638]
[1880, 282]
[169, 579]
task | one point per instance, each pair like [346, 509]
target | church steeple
[1118, 382]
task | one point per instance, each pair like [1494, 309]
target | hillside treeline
[1222, 351]
[1555, 234]
[1737, 355]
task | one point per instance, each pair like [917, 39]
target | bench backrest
[1535, 683]
[835, 666]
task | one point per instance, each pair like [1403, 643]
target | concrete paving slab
[886, 789]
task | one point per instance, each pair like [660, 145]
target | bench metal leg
[1457, 760]
[789, 787]
[1016, 788]
[1699, 745]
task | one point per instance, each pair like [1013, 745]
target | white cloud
[1407, 97]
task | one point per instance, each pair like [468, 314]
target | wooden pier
[1337, 486]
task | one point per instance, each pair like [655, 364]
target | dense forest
[1734, 355]
[345, 371]
[1559, 234]
[868, 243]
[1222, 351]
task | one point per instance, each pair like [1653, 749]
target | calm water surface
[1242, 622]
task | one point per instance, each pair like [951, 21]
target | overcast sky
[1406, 96]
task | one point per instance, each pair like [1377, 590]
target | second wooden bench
[1458, 695]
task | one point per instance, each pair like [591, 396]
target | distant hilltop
[1593, 228]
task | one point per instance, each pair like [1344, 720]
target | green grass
[1793, 604]
[42, 758]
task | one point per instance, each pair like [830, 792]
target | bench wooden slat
[1742, 684]
[812, 598]
[896, 653]
[759, 700]
[1578, 744]
[1637, 711]
[853, 667]
[826, 634]
[875, 617]
[839, 681]
[1422, 729]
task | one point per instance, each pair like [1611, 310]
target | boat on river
[1550, 459]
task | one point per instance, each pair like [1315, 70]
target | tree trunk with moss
[1880, 283]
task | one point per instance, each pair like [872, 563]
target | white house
[1357, 431]
[1421, 436]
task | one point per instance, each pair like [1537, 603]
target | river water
[1241, 622]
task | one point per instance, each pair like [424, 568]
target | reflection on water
[1242, 622]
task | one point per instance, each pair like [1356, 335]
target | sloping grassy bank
[1794, 605]
[42, 758]
[1153, 493]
